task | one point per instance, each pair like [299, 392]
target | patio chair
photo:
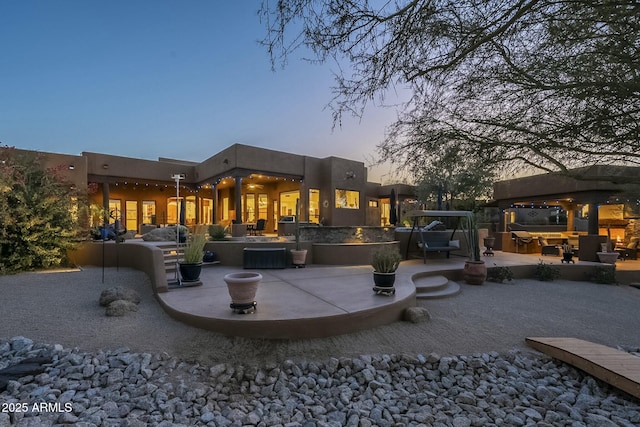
[260, 226]
[546, 248]
[631, 251]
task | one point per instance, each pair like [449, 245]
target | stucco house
[239, 184]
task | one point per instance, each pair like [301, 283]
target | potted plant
[567, 254]
[475, 271]
[385, 262]
[298, 255]
[191, 264]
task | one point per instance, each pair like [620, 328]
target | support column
[214, 203]
[238, 197]
[198, 208]
[238, 229]
[570, 208]
[105, 202]
[593, 227]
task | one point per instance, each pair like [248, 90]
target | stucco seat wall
[347, 253]
[138, 255]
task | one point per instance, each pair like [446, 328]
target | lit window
[347, 199]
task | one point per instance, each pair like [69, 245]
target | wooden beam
[615, 367]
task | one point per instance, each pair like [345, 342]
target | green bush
[217, 232]
[36, 206]
[545, 272]
[605, 275]
[499, 274]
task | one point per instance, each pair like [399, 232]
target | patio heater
[177, 177]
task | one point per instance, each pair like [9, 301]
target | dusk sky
[175, 79]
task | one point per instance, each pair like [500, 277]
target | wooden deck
[615, 367]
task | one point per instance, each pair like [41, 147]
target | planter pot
[190, 272]
[299, 257]
[488, 244]
[567, 257]
[242, 287]
[384, 280]
[475, 272]
[608, 257]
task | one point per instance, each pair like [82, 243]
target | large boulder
[416, 315]
[118, 293]
[164, 234]
[120, 308]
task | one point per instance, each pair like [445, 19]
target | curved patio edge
[312, 309]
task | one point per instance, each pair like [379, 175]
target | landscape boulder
[164, 234]
[120, 308]
[416, 315]
[118, 293]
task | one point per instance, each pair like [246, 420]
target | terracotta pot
[242, 286]
[190, 272]
[475, 272]
[299, 257]
[384, 280]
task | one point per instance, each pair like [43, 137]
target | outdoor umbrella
[393, 216]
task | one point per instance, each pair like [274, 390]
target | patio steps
[171, 256]
[433, 287]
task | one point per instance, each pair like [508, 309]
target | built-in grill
[521, 238]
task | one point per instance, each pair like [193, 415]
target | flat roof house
[240, 184]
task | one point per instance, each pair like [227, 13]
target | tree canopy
[543, 85]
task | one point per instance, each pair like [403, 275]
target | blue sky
[178, 79]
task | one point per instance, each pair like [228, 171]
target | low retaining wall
[346, 253]
[139, 255]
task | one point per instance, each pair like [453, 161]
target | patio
[321, 301]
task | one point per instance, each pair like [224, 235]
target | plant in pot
[567, 254]
[475, 271]
[191, 264]
[385, 262]
[298, 255]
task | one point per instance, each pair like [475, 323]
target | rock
[162, 234]
[120, 308]
[416, 315]
[118, 293]
[26, 367]
[123, 388]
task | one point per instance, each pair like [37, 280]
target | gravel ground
[62, 308]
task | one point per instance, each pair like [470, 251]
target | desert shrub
[604, 275]
[546, 272]
[36, 214]
[499, 274]
[217, 232]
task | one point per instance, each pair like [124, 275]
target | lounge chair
[546, 248]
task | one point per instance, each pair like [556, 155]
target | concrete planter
[299, 257]
[243, 287]
[608, 257]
